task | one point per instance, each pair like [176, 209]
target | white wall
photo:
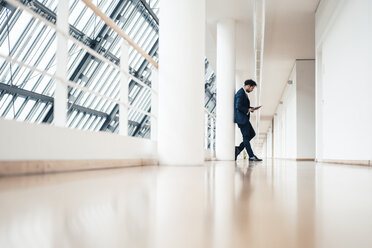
[294, 122]
[305, 102]
[269, 143]
[210, 48]
[26, 141]
[285, 122]
[344, 80]
[264, 150]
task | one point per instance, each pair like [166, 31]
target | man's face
[249, 88]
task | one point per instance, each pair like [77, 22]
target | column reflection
[306, 204]
[90, 209]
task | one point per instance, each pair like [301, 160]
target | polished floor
[272, 204]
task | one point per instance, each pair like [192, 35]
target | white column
[213, 123]
[181, 82]
[206, 131]
[225, 131]
[319, 101]
[154, 104]
[305, 107]
[60, 94]
[239, 82]
[123, 110]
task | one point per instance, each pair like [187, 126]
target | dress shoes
[254, 158]
[236, 152]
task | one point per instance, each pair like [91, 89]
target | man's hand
[251, 110]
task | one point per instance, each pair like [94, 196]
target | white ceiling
[289, 35]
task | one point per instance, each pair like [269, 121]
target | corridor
[278, 203]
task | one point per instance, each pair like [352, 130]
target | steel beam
[151, 12]
[138, 128]
[14, 90]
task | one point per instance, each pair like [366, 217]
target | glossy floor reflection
[221, 204]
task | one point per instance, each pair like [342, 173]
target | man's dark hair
[250, 82]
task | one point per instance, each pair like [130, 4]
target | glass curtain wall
[26, 95]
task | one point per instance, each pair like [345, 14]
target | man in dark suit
[242, 110]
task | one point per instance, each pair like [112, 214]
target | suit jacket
[241, 107]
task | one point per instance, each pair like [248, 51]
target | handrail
[73, 84]
[209, 113]
[111, 24]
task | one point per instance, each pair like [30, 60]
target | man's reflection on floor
[242, 205]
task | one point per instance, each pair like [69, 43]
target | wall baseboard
[297, 159]
[15, 168]
[347, 162]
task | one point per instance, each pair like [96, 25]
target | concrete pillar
[305, 106]
[239, 82]
[206, 138]
[213, 135]
[181, 82]
[225, 132]
[60, 94]
[154, 104]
